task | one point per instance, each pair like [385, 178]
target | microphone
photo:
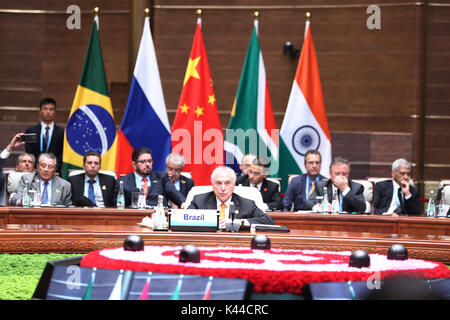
[232, 211]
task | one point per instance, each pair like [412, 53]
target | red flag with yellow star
[197, 132]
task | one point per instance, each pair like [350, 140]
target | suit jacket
[383, 193]
[295, 193]
[160, 184]
[61, 190]
[107, 185]
[353, 200]
[269, 191]
[55, 146]
[186, 184]
[247, 208]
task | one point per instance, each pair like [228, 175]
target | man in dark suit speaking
[223, 182]
[93, 189]
[397, 196]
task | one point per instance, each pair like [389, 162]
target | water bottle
[37, 194]
[142, 198]
[26, 195]
[442, 210]
[335, 202]
[121, 197]
[159, 217]
[325, 205]
[431, 209]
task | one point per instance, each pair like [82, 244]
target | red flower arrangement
[276, 270]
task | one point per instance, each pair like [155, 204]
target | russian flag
[145, 122]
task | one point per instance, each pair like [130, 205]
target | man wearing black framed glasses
[151, 183]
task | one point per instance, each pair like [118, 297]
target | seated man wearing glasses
[152, 183]
[53, 189]
[256, 177]
[174, 166]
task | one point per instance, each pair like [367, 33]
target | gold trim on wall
[30, 11]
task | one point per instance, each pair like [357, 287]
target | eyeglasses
[145, 161]
[174, 169]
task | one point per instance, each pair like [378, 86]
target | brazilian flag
[91, 124]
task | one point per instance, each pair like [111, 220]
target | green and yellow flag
[91, 124]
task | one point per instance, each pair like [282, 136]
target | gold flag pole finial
[308, 16]
[199, 13]
[96, 10]
[147, 12]
[256, 14]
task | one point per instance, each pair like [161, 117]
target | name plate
[193, 220]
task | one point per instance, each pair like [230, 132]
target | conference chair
[187, 174]
[291, 176]
[444, 182]
[368, 193]
[447, 194]
[276, 180]
[12, 183]
[245, 192]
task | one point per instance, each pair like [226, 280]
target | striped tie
[222, 220]
[312, 188]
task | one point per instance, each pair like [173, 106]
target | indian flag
[305, 123]
[252, 127]
[91, 124]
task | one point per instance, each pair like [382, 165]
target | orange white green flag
[305, 124]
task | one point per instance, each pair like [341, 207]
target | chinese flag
[197, 132]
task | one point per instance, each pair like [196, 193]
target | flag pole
[256, 15]
[308, 21]
[199, 16]
[96, 11]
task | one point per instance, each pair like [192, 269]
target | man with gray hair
[257, 177]
[397, 196]
[174, 166]
[350, 194]
[223, 181]
[246, 162]
[53, 189]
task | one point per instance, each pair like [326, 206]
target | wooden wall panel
[373, 80]
[40, 56]
[437, 94]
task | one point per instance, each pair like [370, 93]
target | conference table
[81, 230]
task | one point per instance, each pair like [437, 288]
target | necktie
[145, 186]
[222, 221]
[46, 136]
[400, 199]
[91, 193]
[312, 188]
[44, 199]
